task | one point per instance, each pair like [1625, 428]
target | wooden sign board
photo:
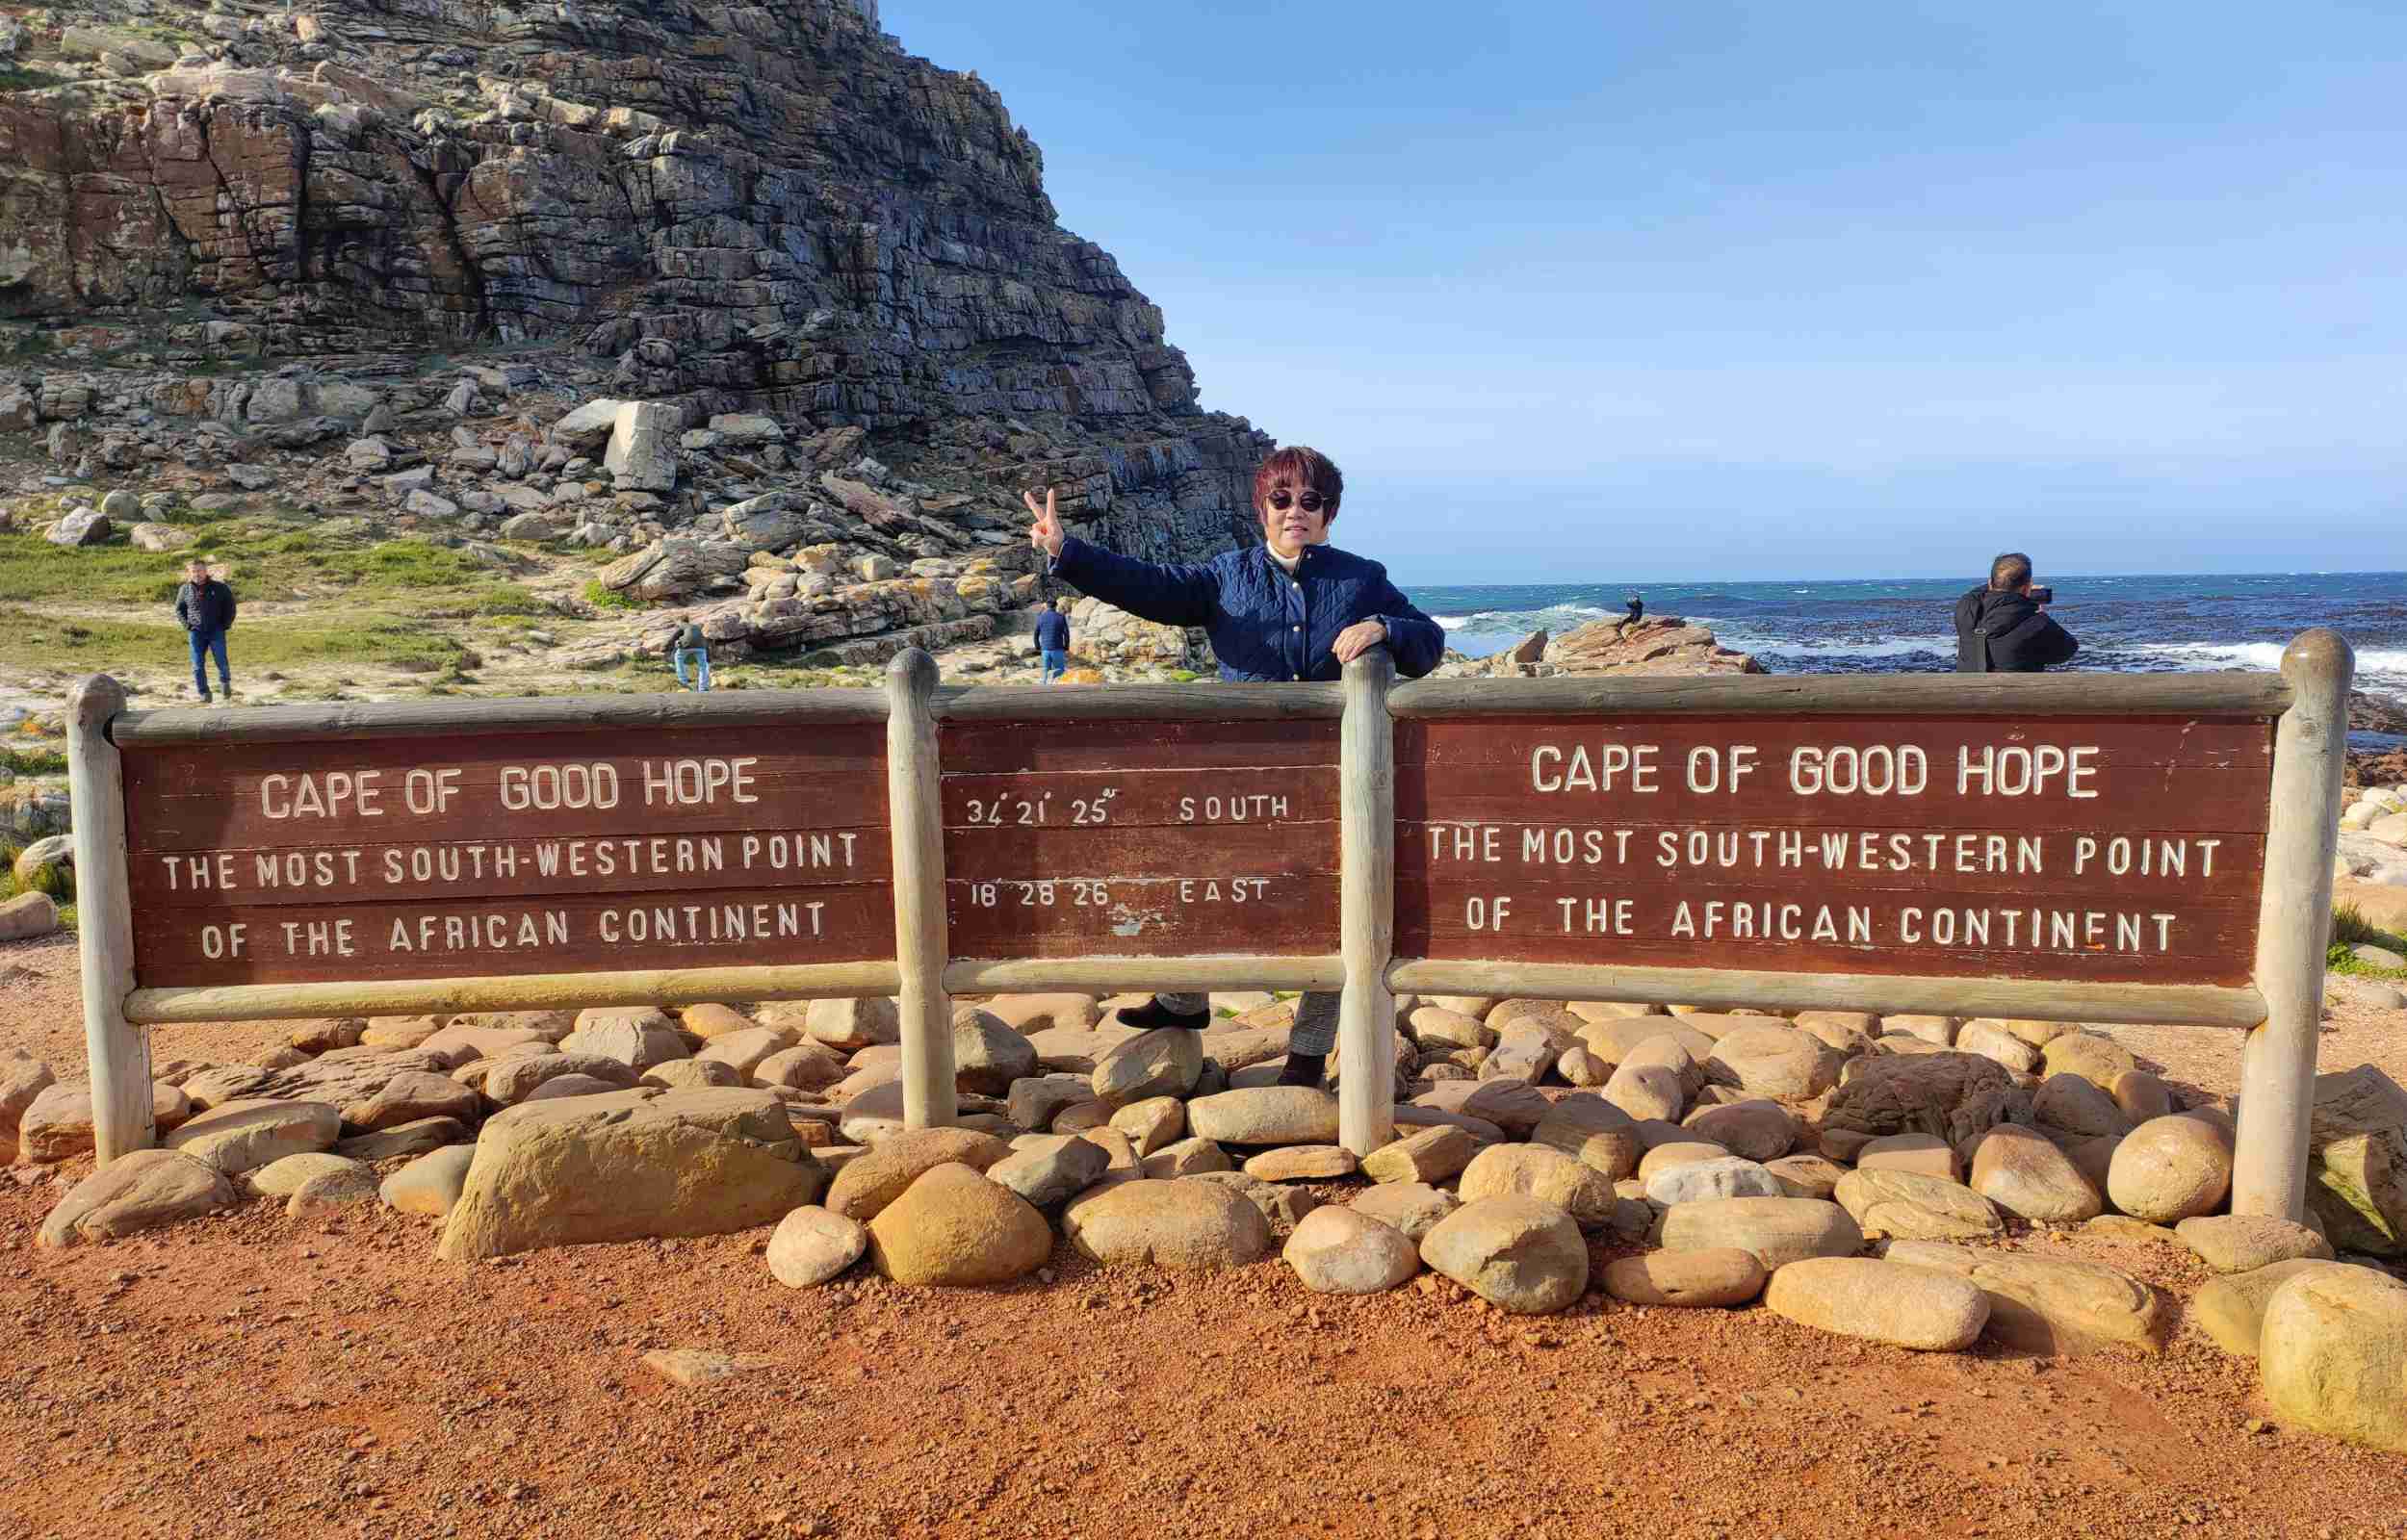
[1137, 838]
[267, 863]
[2107, 850]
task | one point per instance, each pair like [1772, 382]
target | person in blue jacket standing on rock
[1052, 639]
[1292, 607]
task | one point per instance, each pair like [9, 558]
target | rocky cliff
[331, 248]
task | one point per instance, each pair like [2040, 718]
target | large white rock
[643, 447]
[2334, 1355]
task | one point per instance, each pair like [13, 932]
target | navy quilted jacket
[1264, 624]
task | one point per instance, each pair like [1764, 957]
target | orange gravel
[252, 1376]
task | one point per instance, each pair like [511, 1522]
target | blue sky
[1662, 289]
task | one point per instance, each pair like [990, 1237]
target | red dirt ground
[253, 1376]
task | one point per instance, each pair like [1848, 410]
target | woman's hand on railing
[1358, 638]
[1045, 533]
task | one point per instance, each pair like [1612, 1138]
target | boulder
[806, 1067]
[953, 1227]
[691, 1074]
[988, 1056]
[1771, 1060]
[23, 1078]
[2026, 1175]
[1281, 1207]
[1723, 1176]
[1051, 1169]
[1678, 1152]
[406, 1098]
[57, 1122]
[1410, 1206]
[1727, 1276]
[1952, 1097]
[283, 1178]
[1303, 1163]
[1265, 1114]
[28, 916]
[1431, 1155]
[1519, 1253]
[625, 1164]
[876, 1179]
[1758, 1130]
[1196, 1223]
[642, 454]
[422, 1137]
[2231, 1308]
[1515, 1108]
[2357, 1167]
[138, 1191]
[1643, 1091]
[514, 1080]
[1776, 1230]
[1526, 1049]
[1615, 1039]
[1911, 1207]
[238, 1136]
[711, 1021]
[1152, 1124]
[1919, 1153]
[1188, 1157]
[431, 1184]
[744, 1049]
[2051, 1304]
[328, 1193]
[812, 1245]
[2171, 1169]
[1343, 1250]
[1546, 1174]
[1032, 1014]
[2245, 1243]
[2075, 1105]
[1436, 1028]
[1805, 1175]
[639, 1037]
[2098, 1059]
[1991, 1040]
[1165, 1062]
[1880, 1301]
[2333, 1355]
[2142, 1095]
[852, 1024]
[1593, 1132]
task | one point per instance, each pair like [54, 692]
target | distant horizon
[1406, 580]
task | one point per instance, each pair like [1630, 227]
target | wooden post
[1366, 1020]
[916, 817]
[118, 1051]
[2293, 928]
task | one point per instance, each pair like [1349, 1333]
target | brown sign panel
[2101, 850]
[541, 853]
[1141, 838]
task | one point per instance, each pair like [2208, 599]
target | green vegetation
[601, 597]
[59, 881]
[2350, 928]
[34, 761]
[81, 644]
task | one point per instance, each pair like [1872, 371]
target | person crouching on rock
[1293, 608]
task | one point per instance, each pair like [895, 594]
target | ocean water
[1905, 626]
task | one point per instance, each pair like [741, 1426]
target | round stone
[1342, 1250]
[1728, 1176]
[2333, 1355]
[1546, 1174]
[1168, 1223]
[954, 1227]
[1411, 1207]
[1723, 1275]
[2023, 1172]
[2171, 1168]
[1881, 1301]
[1518, 1253]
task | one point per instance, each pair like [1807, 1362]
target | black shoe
[1151, 1014]
[1304, 1069]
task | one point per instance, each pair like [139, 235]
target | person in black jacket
[2005, 627]
[1052, 639]
[205, 608]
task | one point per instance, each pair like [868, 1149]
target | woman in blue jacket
[1293, 608]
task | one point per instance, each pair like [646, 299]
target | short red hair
[1298, 469]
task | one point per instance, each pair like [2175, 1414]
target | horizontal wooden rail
[2144, 1004]
[567, 713]
[1139, 702]
[1119, 974]
[2109, 694]
[529, 992]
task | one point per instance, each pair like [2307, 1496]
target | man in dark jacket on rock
[205, 608]
[1292, 607]
[1052, 639]
[2005, 627]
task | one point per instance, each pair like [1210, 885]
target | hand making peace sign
[1045, 533]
